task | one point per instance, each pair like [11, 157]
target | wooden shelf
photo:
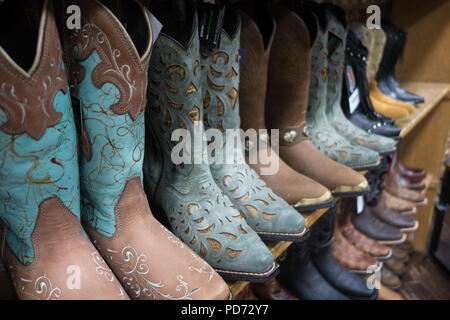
[433, 93]
[277, 248]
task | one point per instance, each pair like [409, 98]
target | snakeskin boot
[109, 65]
[337, 35]
[197, 209]
[266, 213]
[319, 129]
[43, 245]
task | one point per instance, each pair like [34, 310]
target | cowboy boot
[356, 238]
[296, 189]
[388, 84]
[403, 222]
[301, 278]
[43, 245]
[337, 33]
[271, 290]
[397, 204]
[319, 129]
[369, 225]
[343, 280]
[270, 216]
[109, 74]
[377, 40]
[197, 209]
[396, 189]
[287, 95]
[364, 115]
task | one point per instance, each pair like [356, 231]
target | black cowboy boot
[364, 115]
[386, 79]
[351, 284]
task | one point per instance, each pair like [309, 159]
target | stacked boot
[309, 271]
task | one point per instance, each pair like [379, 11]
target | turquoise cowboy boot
[42, 243]
[197, 209]
[266, 213]
[109, 66]
[319, 129]
[337, 34]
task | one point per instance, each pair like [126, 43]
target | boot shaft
[37, 133]
[253, 72]
[289, 67]
[220, 77]
[108, 66]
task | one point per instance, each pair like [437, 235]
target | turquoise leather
[198, 211]
[319, 129]
[32, 171]
[265, 212]
[335, 115]
[117, 150]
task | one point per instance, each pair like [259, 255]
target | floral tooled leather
[265, 212]
[198, 211]
[117, 65]
[335, 115]
[38, 156]
[112, 95]
[320, 131]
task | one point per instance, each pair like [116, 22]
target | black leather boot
[364, 116]
[352, 285]
[386, 79]
[301, 278]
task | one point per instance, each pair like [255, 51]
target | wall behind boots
[427, 53]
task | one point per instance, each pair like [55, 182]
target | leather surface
[271, 290]
[369, 225]
[359, 240]
[335, 78]
[66, 265]
[322, 258]
[393, 187]
[197, 209]
[289, 184]
[115, 208]
[389, 279]
[397, 204]
[364, 116]
[392, 217]
[287, 98]
[320, 131]
[351, 257]
[265, 211]
[301, 277]
[38, 154]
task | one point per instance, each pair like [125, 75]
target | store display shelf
[277, 248]
[433, 93]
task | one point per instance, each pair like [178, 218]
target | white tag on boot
[156, 26]
[359, 204]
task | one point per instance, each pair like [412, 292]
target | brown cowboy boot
[298, 190]
[109, 64]
[287, 100]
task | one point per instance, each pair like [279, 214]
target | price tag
[359, 204]
[353, 91]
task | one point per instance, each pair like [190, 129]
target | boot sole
[228, 275]
[367, 272]
[294, 237]
[410, 229]
[312, 207]
[374, 296]
[387, 152]
[367, 167]
[401, 240]
[385, 257]
[351, 194]
[422, 203]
